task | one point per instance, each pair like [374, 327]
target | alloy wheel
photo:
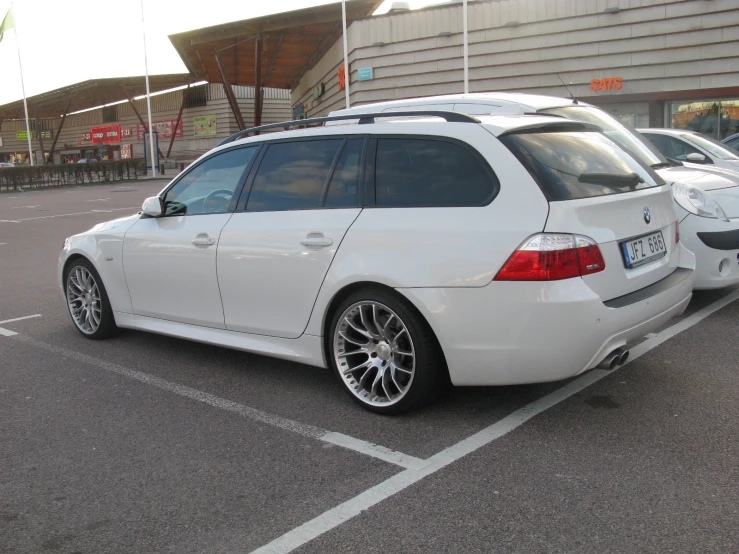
[374, 353]
[83, 299]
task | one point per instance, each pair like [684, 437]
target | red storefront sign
[609, 83]
[86, 137]
[164, 128]
[127, 133]
[107, 134]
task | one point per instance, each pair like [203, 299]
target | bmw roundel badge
[647, 215]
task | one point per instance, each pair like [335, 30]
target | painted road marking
[345, 441]
[98, 200]
[8, 332]
[65, 215]
[18, 207]
[2, 243]
[374, 495]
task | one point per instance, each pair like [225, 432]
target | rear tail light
[677, 231]
[551, 257]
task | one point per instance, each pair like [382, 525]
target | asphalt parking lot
[145, 443]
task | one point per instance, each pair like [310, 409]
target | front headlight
[697, 202]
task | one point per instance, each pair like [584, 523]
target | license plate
[643, 250]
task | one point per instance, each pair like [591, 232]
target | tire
[385, 353]
[87, 301]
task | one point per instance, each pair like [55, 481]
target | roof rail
[364, 118]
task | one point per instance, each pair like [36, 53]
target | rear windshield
[621, 133]
[567, 166]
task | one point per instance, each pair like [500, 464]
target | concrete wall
[164, 107]
[655, 46]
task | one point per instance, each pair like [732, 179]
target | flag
[7, 24]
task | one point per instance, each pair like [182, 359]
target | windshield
[567, 166]
[614, 129]
[715, 148]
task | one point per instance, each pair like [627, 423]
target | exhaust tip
[614, 362]
[624, 356]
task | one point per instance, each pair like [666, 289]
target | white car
[690, 146]
[403, 254]
[707, 197]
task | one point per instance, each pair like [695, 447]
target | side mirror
[697, 158]
[152, 206]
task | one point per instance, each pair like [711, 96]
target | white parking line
[374, 495]
[8, 332]
[65, 215]
[98, 200]
[350, 443]
[19, 207]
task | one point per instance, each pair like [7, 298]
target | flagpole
[465, 49]
[148, 96]
[23, 86]
[346, 55]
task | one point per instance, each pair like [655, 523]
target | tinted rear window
[424, 172]
[561, 162]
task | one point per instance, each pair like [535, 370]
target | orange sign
[609, 83]
[342, 77]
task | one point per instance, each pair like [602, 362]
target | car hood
[120, 225]
[700, 178]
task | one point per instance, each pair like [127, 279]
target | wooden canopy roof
[90, 94]
[291, 43]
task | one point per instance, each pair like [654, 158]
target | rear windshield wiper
[629, 179]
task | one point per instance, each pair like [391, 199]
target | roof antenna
[574, 100]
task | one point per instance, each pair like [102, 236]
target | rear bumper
[710, 240]
[527, 332]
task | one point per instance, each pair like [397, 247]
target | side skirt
[306, 349]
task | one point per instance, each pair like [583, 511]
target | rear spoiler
[559, 127]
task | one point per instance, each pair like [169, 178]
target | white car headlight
[697, 202]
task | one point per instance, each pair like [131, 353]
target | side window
[343, 190]
[209, 187]
[426, 172]
[682, 149]
[662, 144]
[292, 175]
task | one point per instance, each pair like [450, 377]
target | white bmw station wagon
[404, 252]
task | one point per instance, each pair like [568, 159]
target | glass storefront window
[717, 119]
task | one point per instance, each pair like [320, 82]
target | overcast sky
[64, 42]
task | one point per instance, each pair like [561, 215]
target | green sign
[23, 135]
[205, 125]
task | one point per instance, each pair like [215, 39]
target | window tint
[614, 129]
[733, 143]
[681, 149]
[343, 190]
[662, 144]
[292, 175]
[209, 187]
[567, 166]
[425, 172]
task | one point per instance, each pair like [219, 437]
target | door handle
[316, 240]
[203, 241]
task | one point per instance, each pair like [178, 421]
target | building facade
[115, 132]
[659, 63]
